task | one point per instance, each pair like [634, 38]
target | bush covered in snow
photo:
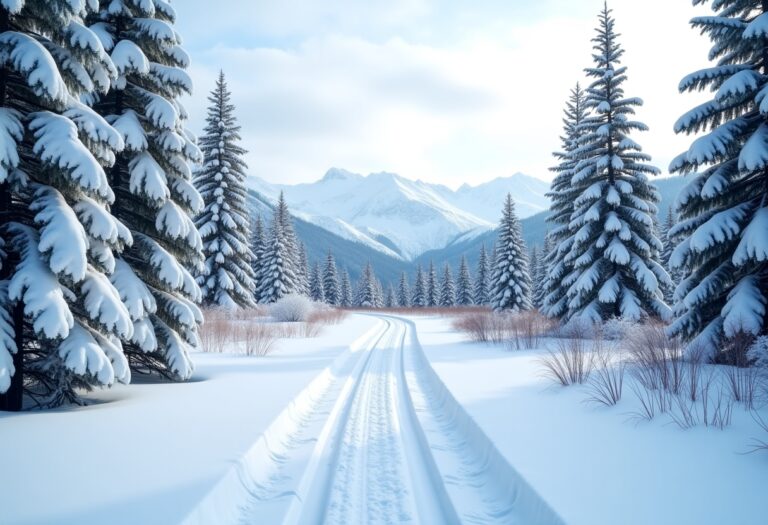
[292, 308]
[758, 352]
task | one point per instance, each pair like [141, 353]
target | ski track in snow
[376, 439]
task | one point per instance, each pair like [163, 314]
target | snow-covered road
[376, 438]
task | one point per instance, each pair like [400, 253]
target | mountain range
[397, 223]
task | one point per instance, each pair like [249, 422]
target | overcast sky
[446, 91]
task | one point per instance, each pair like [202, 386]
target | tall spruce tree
[419, 299]
[666, 254]
[723, 212]
[540, 289]
[61, 319]
[331, 281]
[464, 292]
[433, 291]
[152, 182]
[534, 268]
[447, 289]
[483, 279]
[510, 280]
[316, 289]
[614, 251]
[278, 276]
[227, 278]
[367, 292]
[390, 300]
[258, 246]
[302, 271]
[403, 292]
[346, 299]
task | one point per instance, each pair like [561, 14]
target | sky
[446, 91]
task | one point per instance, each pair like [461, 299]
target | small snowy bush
[758, 352]
[292, 308]
[616, 328]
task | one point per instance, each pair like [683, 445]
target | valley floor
[381, 419]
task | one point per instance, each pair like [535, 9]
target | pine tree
[419, 299]
[540, 288]
[61, 319]
[302, 271]
[510, 281]
[367, 293]
[433, 293]
[403, 292]
[331, 281]
[447, 289]
[379, 297]
[560, 274]
[152, 181]
[614, 251]
[723, 212]
[316, 290]
[390, 301]
[666, 254]
[258, 247]
[534, 267]
[345, 291]
[483, 279]
[278, 276]
[227, 279]
[464, 293]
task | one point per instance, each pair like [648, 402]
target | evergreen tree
[258, 247]
[152, 182]
[390, 301]
[666, 254]
[614, 252]
[433, 293]
[345, 290]
[483, 279]
[367, 293]
[560, 274]
[403, 292]
[464, 292]
[534, 267]
[510, 281]
[379, 298]
[227, 279]
[419, 299]
[723, 212]
[302, 271]
[61, 319]
[447, 289]
[316, 290]
[331, 281]
[278, 276]
[540, 289]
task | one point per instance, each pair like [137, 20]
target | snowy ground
[355, 426]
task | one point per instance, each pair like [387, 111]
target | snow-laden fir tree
[559, 267]
[302, 271]
[316, 290]
[152, 182]
[464, 291]
[278, 276]
[367, 292]
[331, 281]
[61, 319]
[390, 299]
[482, 291]
[346, 299]
[403, 292]
[510, 280]
[379, 293]
[447, 289]
[534, 267]
[419, 298]
[258, 246]
[614, 251]
[723, 212]
[666, 254]
[539, 289]
[227, 279]
[433, 290]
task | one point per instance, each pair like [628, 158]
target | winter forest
[182, 341]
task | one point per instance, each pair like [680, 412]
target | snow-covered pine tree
[345, 290]
[614, 252]
[367, 294]
[559, 268]
[316, 290]
[433, 291]
[61, 319]
[278, 276]
[534, 267]
[390, 300]
[258, 245]
[482, 291]
[464, 292]
[403, 292]
[379, 293]
[302, 271]
[723, 211]
[666, 254]
[331, 281]
[152, 181]
[447, 289]
[510, 280]
[227, 278]
[419, 299]
[539, 290]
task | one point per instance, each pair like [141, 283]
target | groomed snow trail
[376, 439]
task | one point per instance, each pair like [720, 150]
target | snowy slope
[393, 214]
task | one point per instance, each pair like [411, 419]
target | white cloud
[429, 89]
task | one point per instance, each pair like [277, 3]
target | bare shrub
[648, 402]
[759, 444]
[657, 360]
[743, 384]
[571, 362]
[257, 338]
[693, 367]
[606, 382]
[526, 329]
[216, 332]
[483, 326]
[327, 316]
